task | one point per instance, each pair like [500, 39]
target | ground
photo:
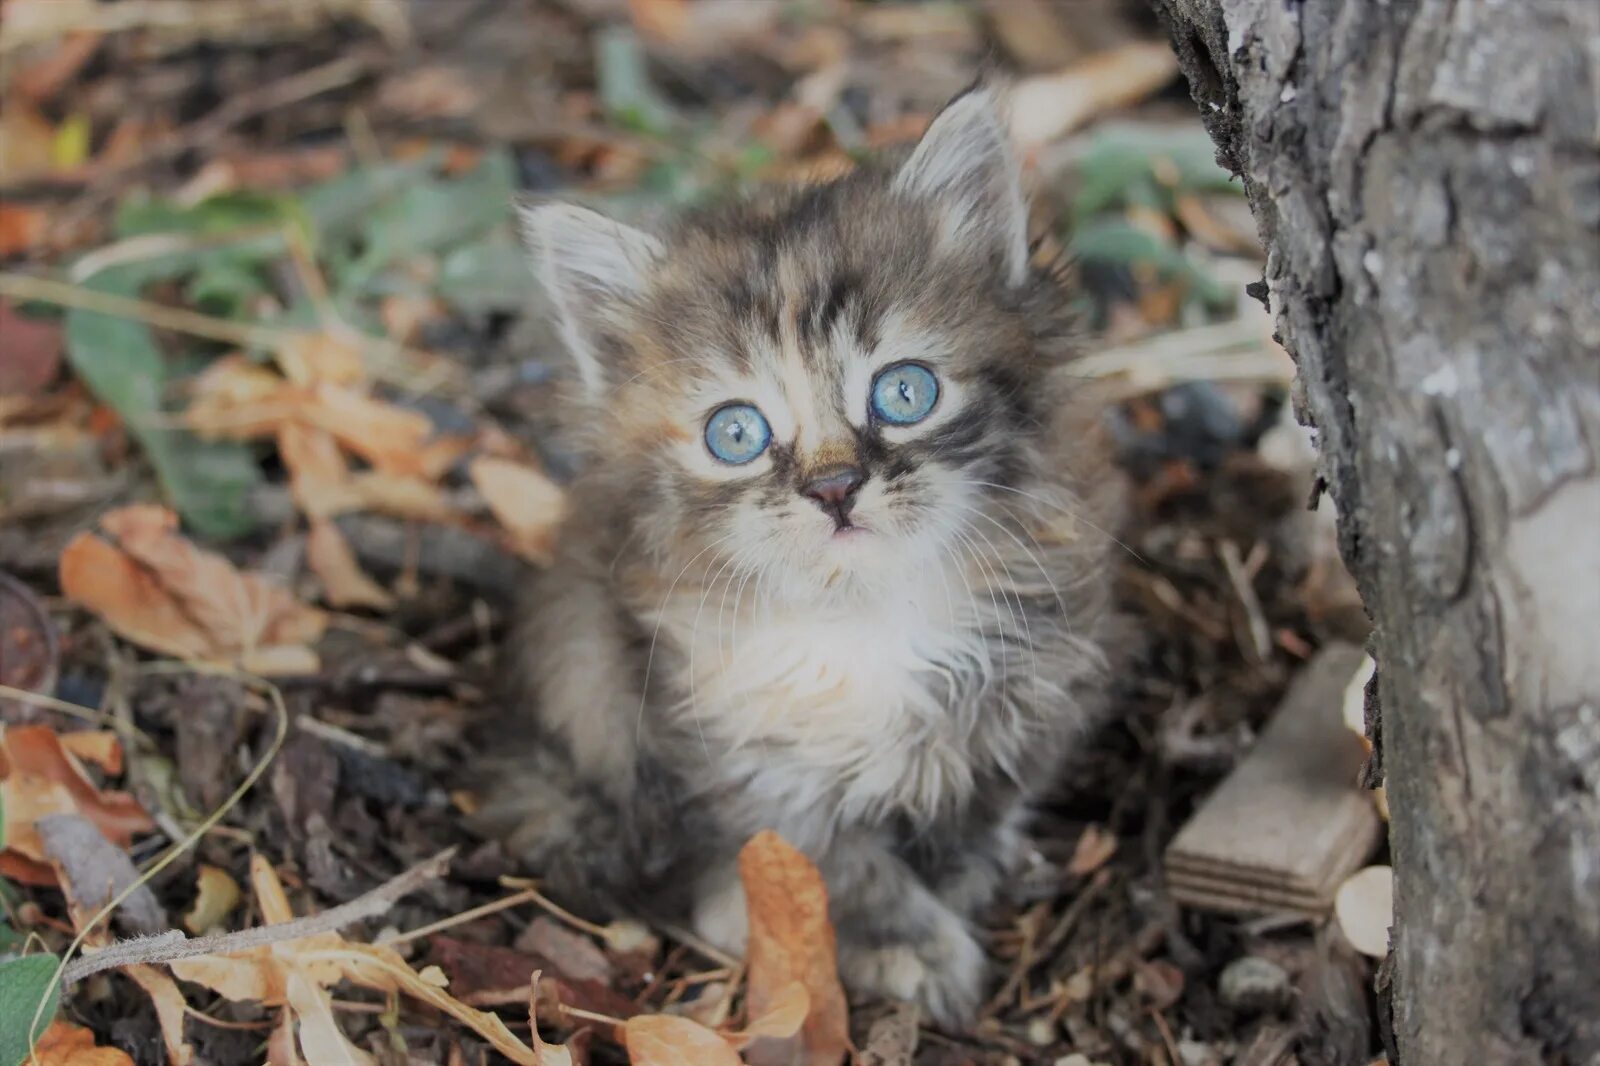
[176, 196]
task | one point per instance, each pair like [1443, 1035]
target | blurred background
[257, 264]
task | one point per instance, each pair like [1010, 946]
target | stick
[173, 945]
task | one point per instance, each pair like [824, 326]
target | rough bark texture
[1426, 176]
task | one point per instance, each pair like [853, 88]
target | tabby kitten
[835, 564]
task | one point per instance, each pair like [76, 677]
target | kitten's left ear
[965, 168]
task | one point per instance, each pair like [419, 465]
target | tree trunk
[1426, 177]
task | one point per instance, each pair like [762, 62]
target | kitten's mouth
[849, 531]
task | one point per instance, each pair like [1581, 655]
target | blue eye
[905, 394]
[737, 433]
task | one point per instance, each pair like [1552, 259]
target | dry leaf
[344, 583]
[157, 589]
[65, 1044]
[237, 399]
[21, 227]
[526, 502]
[1364, 906]
[1049, 106]
[321, 1039]
[543, 1054]
[663, 1040]
[99, 746]
[42, 778]
[216, 894]
[390, 438]
[791, 939]
[783, 1017]
[311, 358]
[401, 495]
[319, 475]
[27, 142]
[1094, 850]
[169, 1004]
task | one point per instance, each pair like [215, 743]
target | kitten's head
[832, 386]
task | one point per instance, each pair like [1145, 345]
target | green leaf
[1121, 164]
[429, 216]
[1115, 241]
[24, 983]
[491, 275]
[223, 213]
[625, 89]
[206, 482]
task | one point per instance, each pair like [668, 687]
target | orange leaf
[65, 1044]
[99, 746]
[319, 476]
[791, 939]
[168, 1001]
[94, 574]
[344, 583]
[783, 1018]
[664, 1040]
[321, 1039]
[390, 438]
[34, 751]
[21, 227]
[310, 358]
[400, 495]
[526, 502]
[158, 589]
[237, 399]
[244, 978]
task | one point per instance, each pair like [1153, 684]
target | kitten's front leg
[896, 937]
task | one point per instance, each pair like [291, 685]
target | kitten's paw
[944, 974]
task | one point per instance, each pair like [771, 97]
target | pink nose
[835, 491]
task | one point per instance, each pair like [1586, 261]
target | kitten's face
[826, 393]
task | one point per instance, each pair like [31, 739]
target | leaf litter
[282, 296]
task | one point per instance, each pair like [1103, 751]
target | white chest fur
[840, 714]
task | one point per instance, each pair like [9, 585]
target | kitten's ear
[965, 167]
[593, 267]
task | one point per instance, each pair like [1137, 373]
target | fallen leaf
[344, 583]
[319, 475]
[1364, 906]
[42, 778]
[782, 1019]
[321, 1039]
[65, 1044]
[99, 746]
[1094, 849]
[28, 991]
[1049, 106]
[664, 1040]
[216, 894]
[33, 345]
[27, 142]
[308, 359]
[21, 228]
[159, 590]
[169, 1004]
[527, 503]
[791, 939]
[389, 437]
[92, 872]
[543, 1054]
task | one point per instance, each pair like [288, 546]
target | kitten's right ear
[593, 267]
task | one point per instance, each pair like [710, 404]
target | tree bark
[1426, 177]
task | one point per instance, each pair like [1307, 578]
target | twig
[28, 287]
[1255, 619]
[173, 945]
[525, 896]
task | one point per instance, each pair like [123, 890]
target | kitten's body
[714, 653]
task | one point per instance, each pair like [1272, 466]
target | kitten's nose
[835, 491]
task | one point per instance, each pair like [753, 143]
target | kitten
[836, 562]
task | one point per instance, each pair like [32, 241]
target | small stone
[1041, 1033]
[1254, 984]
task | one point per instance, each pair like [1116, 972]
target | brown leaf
[65, 1044]
[308, 359]
[158, 589]
[33, 345]
[791, 939]
[21, 228]
[216, 894]
[1095, 848]
[1049, 106]
[663, 1040]
[237, 399]
[527, 503]
[99, 746]
[319, 475]
[344, 583]
[783, 1017]
[168, 1001]
[42, 778]
[390, 438]
[543, 1054]
[27, 142]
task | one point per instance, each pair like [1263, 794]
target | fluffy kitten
[836, 562]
